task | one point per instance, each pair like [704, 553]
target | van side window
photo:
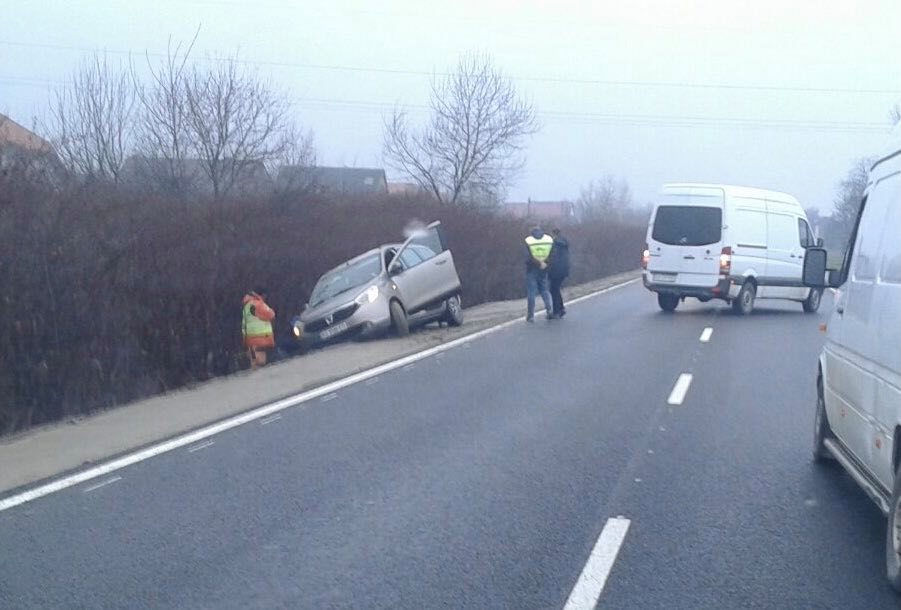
[866, 256]
[889, 191]
[804, 233]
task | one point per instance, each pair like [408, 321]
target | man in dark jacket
[558, 270]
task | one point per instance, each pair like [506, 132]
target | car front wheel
[399, 321]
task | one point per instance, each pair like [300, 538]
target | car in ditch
[391, 288]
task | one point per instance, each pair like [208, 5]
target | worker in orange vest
[256, 327]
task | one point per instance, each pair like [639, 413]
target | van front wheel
[668, 302]
[812, 302]
[893, 538]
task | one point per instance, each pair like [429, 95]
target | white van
[858, 414]
[739, 244]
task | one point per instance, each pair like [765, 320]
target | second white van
[738, 244]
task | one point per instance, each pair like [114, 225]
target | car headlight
[368, 296]
[298, 329]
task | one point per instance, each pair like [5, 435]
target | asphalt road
[483, 476]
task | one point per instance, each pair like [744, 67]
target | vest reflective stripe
[252, 326]
[540, 248]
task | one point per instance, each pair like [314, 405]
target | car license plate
[337, 329]
[664, 277]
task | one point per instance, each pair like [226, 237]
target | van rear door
[684, 243]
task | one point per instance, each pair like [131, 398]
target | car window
[866, 251]
[343, 279]
[889, 191]
[688, 225]
[428, 243]
[409, 258]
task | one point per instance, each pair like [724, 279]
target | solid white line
[270, 419]
[588, 588]
[258, 413]
[680, 389]
[102, 484]
[201, 446]
[705, 336]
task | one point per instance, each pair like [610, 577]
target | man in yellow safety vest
[256, 327]
[538, 249]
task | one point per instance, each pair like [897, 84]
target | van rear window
[688, 225]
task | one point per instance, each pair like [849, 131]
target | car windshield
[687, 225]
[346, 278]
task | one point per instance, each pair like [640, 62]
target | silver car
[392, 287]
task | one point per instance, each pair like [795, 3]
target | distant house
[333, 180]
[190, 177]
[405, 188]
[563, 212]
[23, 151]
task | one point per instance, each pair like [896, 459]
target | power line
[422, 73]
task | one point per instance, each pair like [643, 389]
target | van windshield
[688, 225]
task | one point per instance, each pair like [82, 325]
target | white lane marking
[270, 419]
[588, 588]
[705, 336]
[201, 446]
[109, 481]
[329, 397]
[680, 389]
[260, 412]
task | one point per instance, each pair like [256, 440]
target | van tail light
[726, 261]
[645, 257]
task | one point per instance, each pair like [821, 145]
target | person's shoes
[549, 316]
[530, 319]
[561, 314]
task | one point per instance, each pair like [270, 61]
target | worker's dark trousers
[556, 296]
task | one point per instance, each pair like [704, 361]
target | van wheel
[453, 311]
[812, 302]
[893, 537]
[399, 321]
[668, 302]
[821, 428]
[743, 304]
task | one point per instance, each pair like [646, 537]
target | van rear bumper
[720, 291]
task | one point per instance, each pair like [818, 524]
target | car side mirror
[814, 275]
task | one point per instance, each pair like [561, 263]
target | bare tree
[605, 199]
[90, 121]
[163, 140]
[236, 121]
[291, 167]
[474, 138]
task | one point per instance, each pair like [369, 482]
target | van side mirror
[820, 242]
[814, 275]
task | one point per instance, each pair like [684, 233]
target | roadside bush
[111, 296]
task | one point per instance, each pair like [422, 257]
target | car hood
[335, 303]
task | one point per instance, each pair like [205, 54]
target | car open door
[423, 268]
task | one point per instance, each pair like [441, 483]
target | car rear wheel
[668, 302]
[821, 428]
[399, 321]
[812, 302]
[453, 311]
[743, 304]
[893, 537]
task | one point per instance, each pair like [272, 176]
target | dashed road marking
[680, 389]
[108, 481]
[705, 336]
[270, 419]
[588, 588]
[203, 445]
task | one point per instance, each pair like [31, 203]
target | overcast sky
[781, 94]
